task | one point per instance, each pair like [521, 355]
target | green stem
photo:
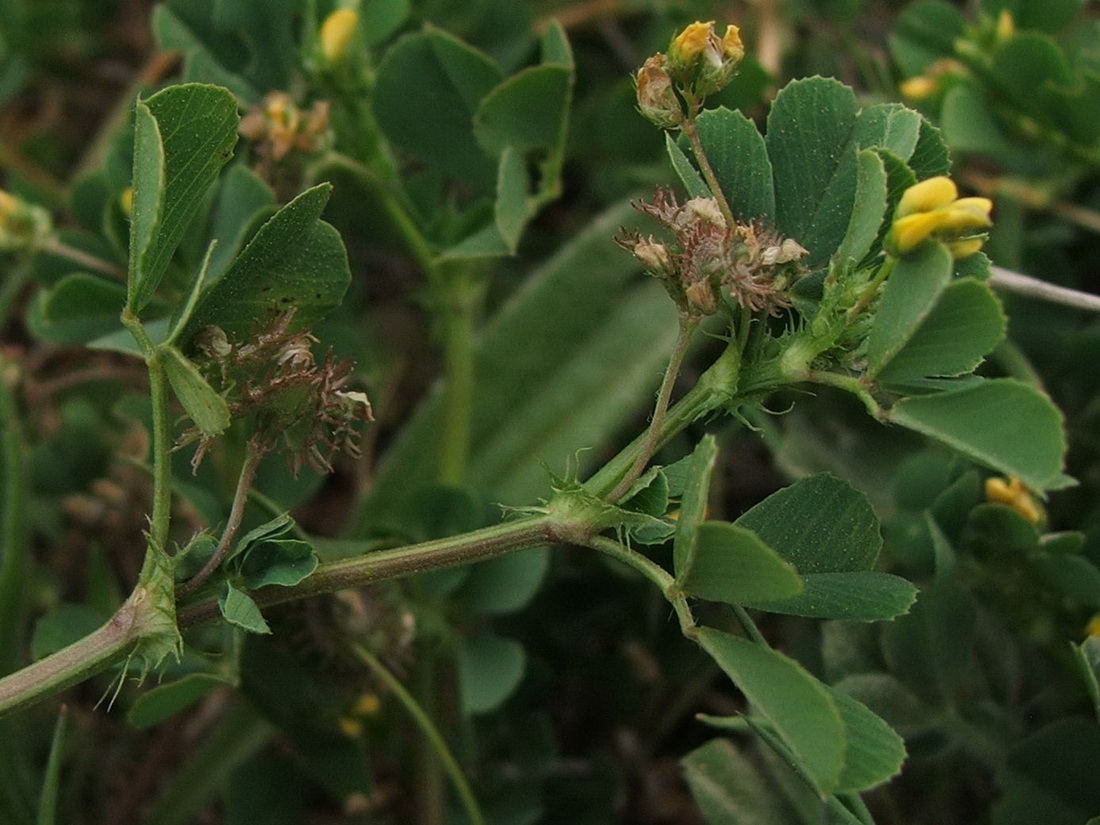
[54, 246]
[428, 728]
[687, 126]
[717, 387]
[652, 435]
[872, 287]
[400, 217]
[652, 571]
[13, 544]
[252, 460]
[851, 384]
[90, 655]
[384, 565]
[16, 278]
[162, 441]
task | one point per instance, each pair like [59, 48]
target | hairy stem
[384, 565]
[458, 298]
[716, 388]
[652, 435]
[252, 460]
[55, 246]
[428, 729]
[872, 288]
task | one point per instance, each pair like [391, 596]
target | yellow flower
[732, 47]
[336, 33]
[367, 705]
[927, 195]
[1093, 627]
[1012, 493]
[690, 43]
[351, 728]
[22, 224]
[1006, 26]
[932, 208]
[126, 201]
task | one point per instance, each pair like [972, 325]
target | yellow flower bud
[964, 249]
[1093, 627]
[913, 230]
[22, 224]
[927, 195]
[126, 201]
[1012, 493]
[1006, 26]
[689, 44]
[732, 47]
[919, 87]
[336, 33]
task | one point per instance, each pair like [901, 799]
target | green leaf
[868, 210]
[504, 585]
[77, 309]
[381, 18]
[798, 707]
[242, 198]
[164, 701]
[873, 752]
[860, 596]
[908, 297]
[284, 562]
[739, 157]
[820, 524]
[889, 126]
[436, 125]
[295, 261]
[689, 176]
[1087, 655]
[526, 111]
[240, 611]
[732, 565]
[1047, 775]
[512, 209]
[183, 137]
[204, 406]
[1002, 423]
[729, 788]
[51, 782]
[271, 530]
[489, 670]
[649, 494]
[693, 503]
[1046, 15]
[965, 324]
[968, 124]
[63, 625]
[813, 162]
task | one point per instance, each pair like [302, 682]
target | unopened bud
[653, 256]
[336, 33]
[656, 99]
[700, 296]
[701, 62]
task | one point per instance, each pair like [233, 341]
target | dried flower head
[707, 259]
[297, 404]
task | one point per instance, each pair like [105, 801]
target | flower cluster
[698, 63]
[710, 260]
[297, 403]
[933, 209]
[279, 126]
